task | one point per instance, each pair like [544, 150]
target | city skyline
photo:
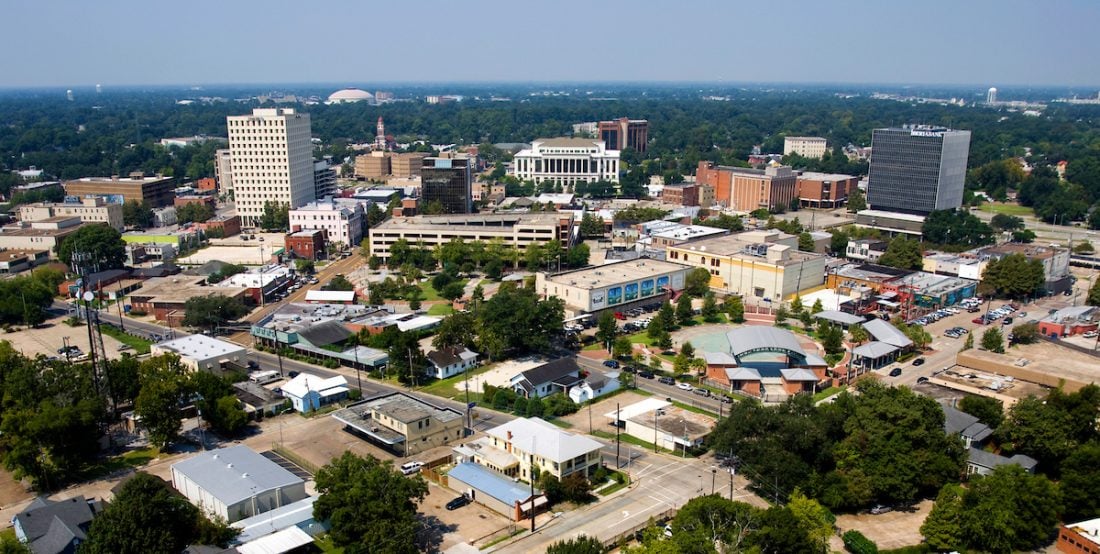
[858, 42]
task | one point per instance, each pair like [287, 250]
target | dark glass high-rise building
[448, 181]
[917, 169]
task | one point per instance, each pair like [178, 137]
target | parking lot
[890, 530]
[465, 525]
[47, 338]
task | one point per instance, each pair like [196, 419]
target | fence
[294, 458]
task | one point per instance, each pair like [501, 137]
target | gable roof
[51, 526]
[839, 317]
[874, 349]
[990, 460]
[742, 374]
[544, 439]
[961, 423]
[450, 355]
[301, 385]
[491, 483]
[325, 333]
[235, 473]
[551, 371]
[883, 331]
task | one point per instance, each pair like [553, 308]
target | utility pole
[118, 301]
[617, 463]
[531, 480]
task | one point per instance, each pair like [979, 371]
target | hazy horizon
[936, 43]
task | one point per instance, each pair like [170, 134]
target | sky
[70, 43]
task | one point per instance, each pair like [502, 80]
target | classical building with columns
[567, 161]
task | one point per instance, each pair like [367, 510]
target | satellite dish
[89, 296]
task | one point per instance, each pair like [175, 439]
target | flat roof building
[89, 210]
[1055, 261]
[203, 353]
[825, 190]
[342, 222]
[745, 189]
[235, 483]
[613, 285]
[515, 230]
[447, 181]
[659, 422]
[566, 161]
[762, 266]
[402, 423]
[623, 133]
[917, 169]
[1082, 537]
[272, 160]
[157, 191]
[807, 147]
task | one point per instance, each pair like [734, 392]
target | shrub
[856, 543]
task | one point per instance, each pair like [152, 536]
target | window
[758, 292]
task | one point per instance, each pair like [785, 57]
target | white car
[410, 468]
[1089, 334]
[684, 386]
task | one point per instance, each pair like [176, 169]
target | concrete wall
[1004, 365]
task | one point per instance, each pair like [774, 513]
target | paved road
[664, 391]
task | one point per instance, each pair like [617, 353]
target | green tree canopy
[993, 340]
[956, 227]
[1005, 222]
[903, 253]
[1013, 276]
[1009, 510]
[163, 385]
[371, 507]
[684, 311]
[581, 544]
[275, 217]
[137, 214]
[101, 244]
[212, 311]
[988, 410]
[697, 282]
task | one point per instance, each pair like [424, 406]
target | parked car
[881, 509]
[701, 392]
[684, 386]
[628, 369]
[922, 380]
[410, 468]
[611, 363]
[895, 372]
[1089, 334]
[666, 380]
[645, 374]
[918, 361]
[292, 374]
[725, 399]
[458, 502]
[1007, 321]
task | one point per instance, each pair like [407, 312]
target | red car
[979, 320]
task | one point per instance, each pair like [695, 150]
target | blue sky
[124, 42]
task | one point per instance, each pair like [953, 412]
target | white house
[594, 386]
[450, 361]
[309, 392]
[236, 483]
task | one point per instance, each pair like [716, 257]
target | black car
[611, 363]
[645, 374]
[667, 380]
[628, 369]
[918, 361]
[458, 502]
[895, 372]
[293, 374]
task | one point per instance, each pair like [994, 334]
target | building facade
[624, 133]
[324, 179]
[825, 190]
[764, 267]
[223, 170]
[682, 194]
[235, 483]
[612, 286]
[448, 182]
[156, 191]
[308, 244]
[917, 169]
[807, 147]
[203, 353]
[402, 423]
[89, 210]
[272, 160]
[745, 189]
[374, 165]
[566, 161]
[341, 223]
[513, 230]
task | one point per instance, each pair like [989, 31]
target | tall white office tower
[272, 160]
[991, 96]
[69, 94]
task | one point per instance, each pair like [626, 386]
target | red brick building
[1079, 538]
[745, 189]
[209, 200]
[308, 244]
[207, 184]
[825, 190]
[226, 226]
[681, 194]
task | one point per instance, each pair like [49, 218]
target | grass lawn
[826, 393]
[139, 345]
[614, 486]
[131, 459]
[454, 387]
[443, 309]
[431, 294]
[1008, 209]
[324, 543]
[559, 423]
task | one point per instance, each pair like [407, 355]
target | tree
[816, 520]
[577, 256]
[1080, 483]
[710, 523]
[414, 298]
[456, 330]
[993, 340]
[145, 516]
[942, 529]
[275, 217]
[195, 211]
[622, 347]
[1085, 247]
[212, 311]
[1026, 236]
[805, 242]
[838, 242]
[340, 283]
[101, 244]
[858, 334]
[902, 253]
[956, 227]
[988, 410]
[780, 531]
[453, 291]
[710, 308]
[817, 307]
[781, 315]
[1025, 333]
[857, 202]
[856, 543]
[666, 315]
[406, 359]
[606, 329]
[684, 311]
[1013, 276]
[591, 225]
[735, 309]
[305, 267]
[137, 214]
[375, 215]
[832, 338]
[370, 506]
[969, 342]
[796, 305]
[697, 282]
[1009, 510]
[158, 404]
[1094, 294]
[725, 221]
[581, 544]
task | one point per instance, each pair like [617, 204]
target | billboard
[614, 296]
[647, 288]
[631, 292]
[662, 282]
[599, 300]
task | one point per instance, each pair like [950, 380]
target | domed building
[767, 363]
[350, 95]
